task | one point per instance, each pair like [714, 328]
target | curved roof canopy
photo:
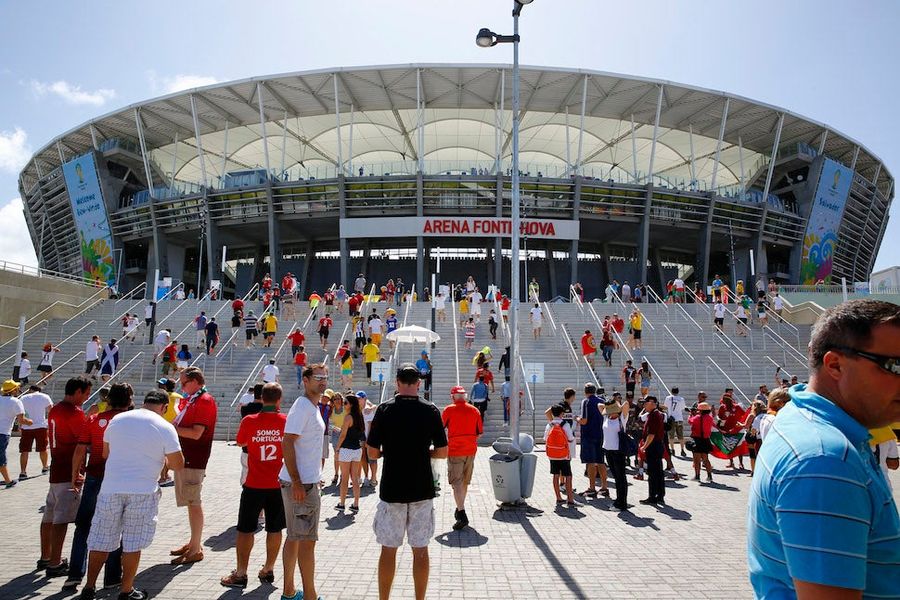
[309, 119]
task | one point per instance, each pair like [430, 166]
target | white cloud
[177, 83]
[72, 93]
[15, 243]
[14, 150]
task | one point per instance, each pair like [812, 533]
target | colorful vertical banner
[91, 220]
[820, 241]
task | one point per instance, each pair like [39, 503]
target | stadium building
[330, 173]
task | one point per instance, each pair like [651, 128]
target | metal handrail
[118, 372]
[43, 323]
[49, 375]
[252, 374]
[573, 357]
[657, 297]
[82, 311]
[528, 391]
[90, 301]
[696, 298]
[180, 284]
[130, 293]
[77, 331]
[785, 371]
[773, 314]
[127, 312]
[680, 345]
[733, 384]
[583, 358]
[688, 316]
[622, 343]
[576, 299]
[785, 347]
[385, 385]
[659, 378]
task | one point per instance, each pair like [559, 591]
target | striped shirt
[820, 509]
[250, 323]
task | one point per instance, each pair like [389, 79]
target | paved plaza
[692, 548]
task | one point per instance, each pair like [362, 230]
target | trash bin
[527, 469]
[505, 477]
[504, 445]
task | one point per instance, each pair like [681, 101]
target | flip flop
[180, 551]
[186, 559]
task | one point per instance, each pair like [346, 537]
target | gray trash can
[505, 477]
[528, 466]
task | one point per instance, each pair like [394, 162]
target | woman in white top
[613, 439]
[470, 285]
[46, 364]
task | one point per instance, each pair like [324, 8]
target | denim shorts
[4, 442]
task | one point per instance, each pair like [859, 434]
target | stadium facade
[328, 173]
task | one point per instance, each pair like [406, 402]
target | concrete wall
[22, 294]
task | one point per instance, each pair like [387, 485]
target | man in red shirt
[262, 435]
[588, 347]
[287, 284]
[353, 305]
[504, 308]
[652, 445]
[91, 438]
[267, 283]
[463, 424]
[196, 425]
[325, 325]
[65, 422]
[297, 340]
[485, 371]
[618, 323]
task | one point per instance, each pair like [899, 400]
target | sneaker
[709, 479]
[354, 508]
[45, 470]
[339, 507]
[71, 583]
[168, 481]
[23, 476]
[12, 483]
[648, 501]
[59, 570]
[134, 594]
[87, 593]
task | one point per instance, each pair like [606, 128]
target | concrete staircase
[744, 363]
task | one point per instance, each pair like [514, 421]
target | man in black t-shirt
[408, 432]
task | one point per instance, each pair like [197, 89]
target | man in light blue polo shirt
[822, 521]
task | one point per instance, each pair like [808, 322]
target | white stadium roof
[461, 124]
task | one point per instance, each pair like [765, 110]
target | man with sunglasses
[822, 520]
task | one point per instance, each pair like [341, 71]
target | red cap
[457, 390]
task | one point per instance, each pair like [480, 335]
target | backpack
[557, 443]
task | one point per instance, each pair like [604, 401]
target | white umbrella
[413, 334]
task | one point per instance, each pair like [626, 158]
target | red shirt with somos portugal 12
[262, 434]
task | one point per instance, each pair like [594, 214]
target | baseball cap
[361, 394]
[163, 381]
[457, 389]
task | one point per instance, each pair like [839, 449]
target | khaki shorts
[459, 469]
[61, 505]
[302, 517]
[677, 431]
[393, 520]
[188, 485]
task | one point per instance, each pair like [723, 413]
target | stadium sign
[380, 227]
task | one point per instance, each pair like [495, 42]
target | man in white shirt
[675, 409]
[537, 318]
[375, 330]
[148, 313]
[300, 475]
[24, 368]
[36, 404]
[11, 409]
[269, 373]
[92, 357]
[719, 316]
[778, 304]
[626, 292]
[360, 284]
[679, 289]
[160, 342]
[440, 304]
[137, 444]
[475, 305]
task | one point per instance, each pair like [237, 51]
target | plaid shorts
[129, 518]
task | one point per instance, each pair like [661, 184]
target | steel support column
[160, 258]
[576, 214]
[715, 173]
[344, 242]
[644, 235]
[213, 265]
[420, 241]
[761, 259]
[274, 248]
[498, 243]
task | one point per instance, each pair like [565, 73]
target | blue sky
[62, 63]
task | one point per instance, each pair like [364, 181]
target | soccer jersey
[297, 338]
[199, 410]
[391, 323]
[325, 323]
[262, 434]
[65, 423]
[92, 436]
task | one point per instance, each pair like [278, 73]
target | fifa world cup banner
[91, 220]
[820, 241]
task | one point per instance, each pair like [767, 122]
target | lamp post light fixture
[485, 39]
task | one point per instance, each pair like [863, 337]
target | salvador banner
[91, 220]
[728, 445]
[820, 240]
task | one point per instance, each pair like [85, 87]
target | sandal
[266, 576]
[180, 551]
[234, 580]
[186, 559]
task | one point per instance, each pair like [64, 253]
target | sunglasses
[891, 364]
[320, 377]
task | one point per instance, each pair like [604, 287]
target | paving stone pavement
[694, 547]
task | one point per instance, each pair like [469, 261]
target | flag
[728, 445]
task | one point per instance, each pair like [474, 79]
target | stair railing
[712, 364]
[114, 376]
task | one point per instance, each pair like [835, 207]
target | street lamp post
[486, 38]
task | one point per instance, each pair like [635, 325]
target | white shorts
[394, 519]
[181, 364]
[348, 455]
[536, 325]
[475, 309]
[126, 518]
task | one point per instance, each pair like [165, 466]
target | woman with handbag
[701, 428]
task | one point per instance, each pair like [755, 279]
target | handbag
[690, 445]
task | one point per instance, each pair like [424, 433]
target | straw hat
[9, 386]
[704, 406]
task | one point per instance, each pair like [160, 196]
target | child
[492, 322]
[558, 435]
[184, 355]
[470, 332]
[300, 363]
